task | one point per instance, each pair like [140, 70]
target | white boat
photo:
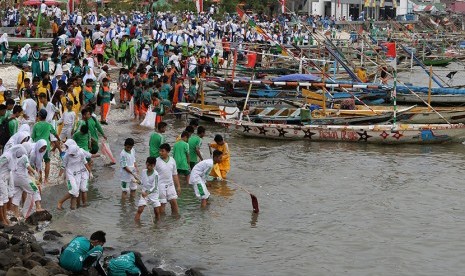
[378, 134]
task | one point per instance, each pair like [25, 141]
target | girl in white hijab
[24, 54]
[18, 138]
[89, 75]
[77, 174]
[24, 181]
[4, 46]
[37, 155]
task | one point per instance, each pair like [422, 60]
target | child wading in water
[224, 165]
[128, 169]
[168, 180]
[199, 175]
[149, 195]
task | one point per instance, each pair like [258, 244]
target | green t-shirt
[13, 126]
[82, 140]
[123, 265]
[156, 139]
[195, 142]
[94, 127]
[77, 251]
[180, 150]
[42, 130]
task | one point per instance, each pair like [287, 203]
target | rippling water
[325, 209]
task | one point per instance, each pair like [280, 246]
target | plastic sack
[106, 151]
[150, 118]
[28, 206]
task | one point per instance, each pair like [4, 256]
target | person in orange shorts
[224, 165]
[105, 99]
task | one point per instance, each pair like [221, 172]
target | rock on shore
[22, 255]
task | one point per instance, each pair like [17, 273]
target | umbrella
[38, 2]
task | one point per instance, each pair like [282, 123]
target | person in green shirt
[128, 263]
[105, 99]
[94, 129]
[195, 142]
[13, 124]
[2, 113]
[156, 139]
[42, 130]
[10, 103]
[192, 92]
[82, 138]
[81, 253]
[181, 155]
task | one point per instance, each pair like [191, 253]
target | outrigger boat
[377, 134]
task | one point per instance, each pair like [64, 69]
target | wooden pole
[234, 63]
[202, 96]
[324, 88]
[429, 86]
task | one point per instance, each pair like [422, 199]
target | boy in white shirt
[149, 195]
[68, 119]
[199, 175]
[167, 179]
[127, 161]
[30, 109]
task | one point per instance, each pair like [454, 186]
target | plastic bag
[106, 151]
[149, 120]
[28, 206]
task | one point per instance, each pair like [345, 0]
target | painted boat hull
[437, 99]
[376, 134]
[453, 117]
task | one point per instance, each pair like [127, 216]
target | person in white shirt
[149, 193]
[30, 110]
[78, 174]
[23, 181]
[68, 119]
[128, 169]
[200, 174]
[43, 7]
[79, 19]
[167, 179]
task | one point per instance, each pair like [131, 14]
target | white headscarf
[69, 143]
[24, 51]
[17, 150]
[16, 139]
[36, 155]
[4, 38]
[89, 75]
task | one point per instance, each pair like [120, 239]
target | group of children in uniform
[159, 181]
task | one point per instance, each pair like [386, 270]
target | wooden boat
[208, 112]
[445, 99]
[437, 61]
[378, 134]
[41, 41]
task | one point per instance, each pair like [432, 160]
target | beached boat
[437, 61]
[208, 112]
[378, 134]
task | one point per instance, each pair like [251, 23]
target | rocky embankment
[26, 251]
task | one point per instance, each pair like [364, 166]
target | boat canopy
[297, 77]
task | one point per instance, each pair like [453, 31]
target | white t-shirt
[51, 109]
[43, 7]
[68, 119]
[149, 182]
[30, 109]
[201, 171]
[166, 170]
[127, 159]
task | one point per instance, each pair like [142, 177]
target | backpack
[4, 132]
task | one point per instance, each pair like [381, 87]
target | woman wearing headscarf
[23, 56]
[18, 138]
[77, 175]
[7, 165]
[36, 156]
[4, 46]
[24, 181]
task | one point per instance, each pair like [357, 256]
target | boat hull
[377, 134]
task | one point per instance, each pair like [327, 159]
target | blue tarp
[297, 77]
